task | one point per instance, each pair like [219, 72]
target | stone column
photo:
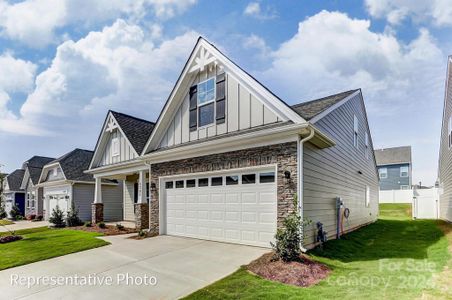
[142, 215]
[97, 208]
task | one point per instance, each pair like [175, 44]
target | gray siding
[445, 155]
[334, 172]
[38, 205]
[394, 181]
[243, 111]
[83, 197]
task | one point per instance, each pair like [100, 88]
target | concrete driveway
[179, 265]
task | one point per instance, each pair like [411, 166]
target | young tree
[3, 213]
[57, 217]
[15, 212]
[72, 217]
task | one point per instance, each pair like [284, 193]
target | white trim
[117, 166]
[46, 167]
[333, 107]
[136, 169]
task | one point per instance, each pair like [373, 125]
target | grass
[395, 211]
[44, 243]
[5, 222]
[393, 258]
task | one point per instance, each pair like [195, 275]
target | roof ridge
[323, 98]
[132, 117]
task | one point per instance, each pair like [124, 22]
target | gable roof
[392, 156]
[136, 130]
[310, 109]
[15, 180]
[74, 163]
[34, 167]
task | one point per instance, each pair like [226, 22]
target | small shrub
[142, 233]
[20, 218]
[72, 219]
[57, 217]
[101, 225]
[15, 213]
[88, 224]
[38, 218]
[3, 213]
[120, 226]
[10, 238]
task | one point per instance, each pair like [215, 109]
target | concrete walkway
[18, 225]
[180, 266]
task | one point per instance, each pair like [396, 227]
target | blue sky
[64, 63]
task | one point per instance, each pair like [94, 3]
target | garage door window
[191, 183]
[248, 178]
[232, 180]
[203, 182]
[169, 185]
[179, 184]
[267, 177]
[216, 181]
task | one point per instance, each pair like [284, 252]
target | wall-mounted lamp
[287, 174]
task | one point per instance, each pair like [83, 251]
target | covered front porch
[135, 196]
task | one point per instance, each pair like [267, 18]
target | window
[169, 185]
[267, 177]
[55, 172]
[217, 181]
[190, 183]
[366, 140]
[248, 178]
[403, 171]
[203, 182]
[404, 187]
[355, 131]
[383, 173]
[179, 184]
[115, 146]
[206, 102]
[232, 180]
[367, 196]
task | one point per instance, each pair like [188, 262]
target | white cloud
[34, 22]
[254, 9]
[439, 12]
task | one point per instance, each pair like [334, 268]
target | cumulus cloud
[35, 22]
[254, 9]
[439, 12]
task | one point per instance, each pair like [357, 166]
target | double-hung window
[383, 173]
[403, 171]
[206, 102]
[115, 146]
[355, 131]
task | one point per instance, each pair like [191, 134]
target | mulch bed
[302, 273]
[10, 238]
[148, 235]
[108, 230]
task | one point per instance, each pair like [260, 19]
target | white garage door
[61, 201]
[237, 207]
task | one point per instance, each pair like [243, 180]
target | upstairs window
[206, 102]
[355, 131]
[403, 171]
[366, 140]
[115, 146]
[383, 173]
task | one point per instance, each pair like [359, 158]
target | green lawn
[393, 258]
[43, 243]
[396, 211]
[6, 222]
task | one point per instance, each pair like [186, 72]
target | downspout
[300, 143]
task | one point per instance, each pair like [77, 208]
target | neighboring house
[394, 168]
[445, 152]
[64, 183]
[12, 192]
[33, 194]
[227, 157]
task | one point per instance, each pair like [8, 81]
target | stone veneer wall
[284, 155]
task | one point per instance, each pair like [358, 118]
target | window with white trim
[449, 132]
[383, 172]
[366, 140]
[206, 102]
[404, 171]
[367, 196]
[115, 146]
[355, 131]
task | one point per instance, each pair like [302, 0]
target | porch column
[142, 206]
[97, 208]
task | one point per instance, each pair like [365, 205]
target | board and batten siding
[129, 209]
[334, 172]
[243, 111]
[83, 196]
[445, 155]
[126, 151]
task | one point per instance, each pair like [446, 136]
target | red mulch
[10, 238]
[108, 230]
[302, 273]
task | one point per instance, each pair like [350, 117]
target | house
[33, 194]
[445, 152]
[12, 192]
[64, 183]
[227, 157]
[394, 168]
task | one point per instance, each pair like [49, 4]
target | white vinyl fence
[426, 204]
[396, 196]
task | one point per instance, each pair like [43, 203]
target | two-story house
[394, 168]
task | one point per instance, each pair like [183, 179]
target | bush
[3, 213]
[31, 217]
[88, 224]
[15, 213]
[119, 226]
[72, 219]
[142, 233]
[57, 218]
[101, 225]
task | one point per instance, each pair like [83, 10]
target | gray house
[64, 183]
[445, 152]
[226, 158]
[33, 194]
[13, 194]
[394, 168]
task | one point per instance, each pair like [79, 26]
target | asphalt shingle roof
[391, 156]
[136, 130]
[15, 180]
[75, 163]
[310, 109]
[35, 165]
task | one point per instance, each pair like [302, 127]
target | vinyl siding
[334, 172]
[445, 156]
[394, 181]
[126, 151]
[49, 176]
[129, 210]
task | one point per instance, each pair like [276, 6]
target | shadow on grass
[384, 239]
